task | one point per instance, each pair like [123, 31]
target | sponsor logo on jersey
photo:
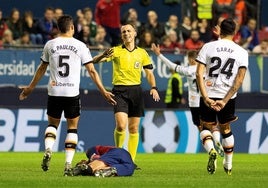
[54, 83]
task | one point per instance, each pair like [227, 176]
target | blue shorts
[120, 159]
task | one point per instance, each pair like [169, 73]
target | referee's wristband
[154, 88]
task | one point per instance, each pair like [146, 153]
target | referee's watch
[154, 87]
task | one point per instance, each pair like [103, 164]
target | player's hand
[155, 95]
[109, 97]
[108, 52]
[219, 105]
[211, 103]
[156, 49]
[26, 91]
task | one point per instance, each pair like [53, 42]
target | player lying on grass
[105, 161]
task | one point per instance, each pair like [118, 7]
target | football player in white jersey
[224, 64]
[64, 56]
[193, 91]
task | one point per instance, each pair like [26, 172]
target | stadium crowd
[195, 29]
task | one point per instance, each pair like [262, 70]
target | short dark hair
[64, 23]
[192, 54]
[228, 27]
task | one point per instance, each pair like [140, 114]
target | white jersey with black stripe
[222, 58]
[65, 56]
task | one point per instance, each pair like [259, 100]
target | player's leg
[207, 121]
[217, 140]
[226, 116]
[72, 107]
[70, 143]
[54, 111]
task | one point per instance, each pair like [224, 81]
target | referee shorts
[71, 106]
[224, 116]
[129, 100]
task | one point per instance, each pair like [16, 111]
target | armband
[154, 88]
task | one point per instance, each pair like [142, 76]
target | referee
[128, 61]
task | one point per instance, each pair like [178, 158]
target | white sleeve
[177, 68]
[85, 55]
[169, 63]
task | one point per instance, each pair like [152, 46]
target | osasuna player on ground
[193, 91]
[224, 64]
[105, 161]
[64, 55]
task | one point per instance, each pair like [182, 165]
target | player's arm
[102, 57]
[177, 68]
[151, 80]
[201, 68]
[237, 84]
[96, 79]
[27, 90]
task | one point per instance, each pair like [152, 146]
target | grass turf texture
[157, 170]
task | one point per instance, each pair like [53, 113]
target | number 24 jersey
[222, 58]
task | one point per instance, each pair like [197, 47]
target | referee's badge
[137, 65]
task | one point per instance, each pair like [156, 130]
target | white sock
[50, 137]
[206, 138]
[228, 145]
[70, 145]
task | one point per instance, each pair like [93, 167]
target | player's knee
[207, 125]
[205, 135]
[225, 128]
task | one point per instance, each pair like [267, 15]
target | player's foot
[68, 171]
[212, 161]
[219, 149]
[46, 159]
[228, 171]
[108, 172]
[80, 169]
[137, 167]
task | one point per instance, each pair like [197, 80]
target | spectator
[7, 40]
[78, 23]
[107, 14]
[153, 25]
[146, 39]
[249, 35]
[186, 28]
[29, 26]
[261, 48]
[58, 12]
[204, 31]
[100, 41]
[224, 8]
[85, 36]
[24, 40]
[88, 17]
[174, 40]
[3, 25]
[14, 23]
[132, 17]
[173, 23]
[47, 26]
[194, 42]
[166, 45]
[240, 12]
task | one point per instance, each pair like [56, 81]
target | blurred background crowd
[99, 27]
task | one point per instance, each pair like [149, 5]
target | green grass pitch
[157, 170]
